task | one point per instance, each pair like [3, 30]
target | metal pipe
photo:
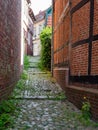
[52, 41]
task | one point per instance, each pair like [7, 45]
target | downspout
[70, 39]
[52, 41]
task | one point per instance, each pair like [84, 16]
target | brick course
[10, 32]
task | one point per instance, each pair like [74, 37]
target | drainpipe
[70, 38]
[52, 42]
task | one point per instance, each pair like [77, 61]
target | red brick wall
[80, 23]
[61, 41]
[95, 32]
[94, 69]
[84, 51]
[95, 58]
[80, 31]
[79, 60]
[76, 48]
[60, 77]
[10, 22]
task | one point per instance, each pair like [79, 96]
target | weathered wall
[76, 49]
[10, 32]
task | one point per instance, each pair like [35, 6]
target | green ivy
[45, 38]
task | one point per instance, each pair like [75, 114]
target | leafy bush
[7, 108]
[26, 62]
[45, 38]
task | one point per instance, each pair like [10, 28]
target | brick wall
[84, 51]
[76, 48]
[75, 95]
[61, 75]
[61, 41]
[10, 22]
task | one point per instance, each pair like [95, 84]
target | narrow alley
[43, 105]
[49, 65]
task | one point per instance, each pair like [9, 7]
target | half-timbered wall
[75, 36]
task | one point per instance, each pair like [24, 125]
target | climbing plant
[45, 38]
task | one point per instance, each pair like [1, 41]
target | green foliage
[24, 75]
[86, 109]
[20, 84]
[5, 120]
[60, 96]
[26, 62]
[7, 108]
[45, 37]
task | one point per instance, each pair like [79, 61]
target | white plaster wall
[36, 48]
[36, 41]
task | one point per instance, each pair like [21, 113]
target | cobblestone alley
[43, 105]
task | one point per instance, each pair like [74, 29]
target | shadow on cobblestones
[43, 105]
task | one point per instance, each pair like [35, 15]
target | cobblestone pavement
[41, 107]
